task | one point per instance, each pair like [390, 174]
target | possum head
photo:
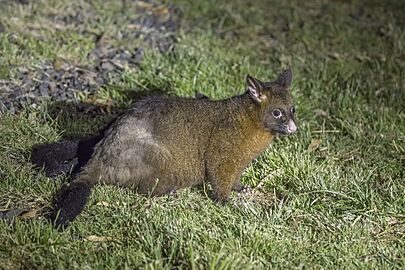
[275, 102]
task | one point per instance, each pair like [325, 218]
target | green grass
[332, 196]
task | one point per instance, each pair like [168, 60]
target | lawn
[331, 196]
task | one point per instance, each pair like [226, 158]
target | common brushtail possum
[163, 144]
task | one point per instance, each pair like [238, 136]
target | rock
[107, 66]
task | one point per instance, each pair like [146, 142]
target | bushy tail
[69, 202]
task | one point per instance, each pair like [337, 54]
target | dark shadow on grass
[70, 154]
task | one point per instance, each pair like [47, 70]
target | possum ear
[285, 78]
[254, 88]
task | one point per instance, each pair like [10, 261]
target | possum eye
[276, 113]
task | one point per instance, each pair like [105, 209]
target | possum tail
[69, 202]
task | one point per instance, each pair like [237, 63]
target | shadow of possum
[67, 156]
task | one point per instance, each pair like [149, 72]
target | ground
[331, 196]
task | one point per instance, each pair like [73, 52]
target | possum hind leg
[142, 165]
[135, 163]
[157, 178]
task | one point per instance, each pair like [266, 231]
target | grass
[332, 196]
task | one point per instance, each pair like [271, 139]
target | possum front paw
[246, 190]
[219, 198]
[238, 187]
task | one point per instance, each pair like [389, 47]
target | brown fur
[164, 144]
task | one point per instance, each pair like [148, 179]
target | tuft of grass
[332, 196]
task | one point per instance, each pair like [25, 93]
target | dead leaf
[392, 220]
[95, 238]
[162, 10]
[103, 203]
[334, 55]
[58, 63]
[319, 112]
[30, 214]
[314, 144]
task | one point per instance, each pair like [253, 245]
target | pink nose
[291, 127]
